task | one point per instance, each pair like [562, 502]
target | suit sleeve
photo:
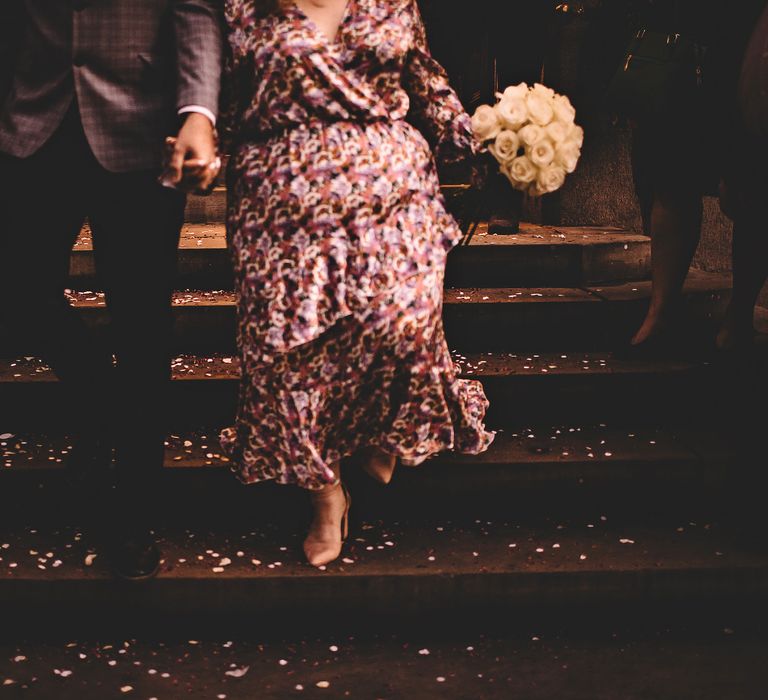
[199, 38]
[435, 107]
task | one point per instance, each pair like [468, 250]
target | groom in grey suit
[89, 92]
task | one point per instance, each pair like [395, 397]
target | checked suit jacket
[129, 64]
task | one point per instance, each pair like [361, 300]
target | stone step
[541, 387]
[537, 256]
[209, 209]
[701, 661]
[397, 572]
[650, 659]
[519, 455]
[494, 319]
[589, 317]
[568, 468]
[203, 261]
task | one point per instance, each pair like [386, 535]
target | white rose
[539, 108]
[557, 132]
[485, 123]
[564, 110]
[520, 170]
[530, 134]
[521, 186]
[550, 179]
[576, 135]
[543, 90]
[512, 113]
[542, 153]
[514, 92]
[505, 147]
[567, 156]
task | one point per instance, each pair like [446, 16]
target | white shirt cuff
[199, 110]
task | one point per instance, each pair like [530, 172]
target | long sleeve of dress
[238, 76]
[230, 106]
[435, 107]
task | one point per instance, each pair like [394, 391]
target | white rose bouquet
[532, 133]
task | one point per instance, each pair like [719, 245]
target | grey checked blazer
[130, 64]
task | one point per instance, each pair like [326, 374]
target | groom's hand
[192, 164]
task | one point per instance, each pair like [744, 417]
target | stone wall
[600, 192]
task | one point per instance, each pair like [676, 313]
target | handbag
[661, 75]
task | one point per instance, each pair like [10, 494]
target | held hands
[191, 163]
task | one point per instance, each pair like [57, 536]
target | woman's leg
[327, 532]
[750, 270]
[675, 229]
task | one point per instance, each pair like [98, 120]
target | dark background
[468, 37]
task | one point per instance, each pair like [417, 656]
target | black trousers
[44, 201]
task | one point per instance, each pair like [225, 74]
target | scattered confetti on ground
[464, 546]
[710, 662]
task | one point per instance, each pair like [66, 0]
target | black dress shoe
[133, 556]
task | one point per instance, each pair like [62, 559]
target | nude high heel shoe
[321, 549]
[379, 465]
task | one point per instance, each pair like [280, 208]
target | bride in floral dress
[339, 236]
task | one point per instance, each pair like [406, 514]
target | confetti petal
[237, 672]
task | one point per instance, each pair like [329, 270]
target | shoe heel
[380, 476]
[345, 518]
[319, 553]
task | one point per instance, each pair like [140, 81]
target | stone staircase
[608, 490]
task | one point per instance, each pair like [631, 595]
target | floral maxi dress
[340, 235]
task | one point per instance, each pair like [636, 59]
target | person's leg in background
[671, 202]
[747, 207]
[675, 232]
[742, 372]
[642, 175]
[136, 224]
[43, 204]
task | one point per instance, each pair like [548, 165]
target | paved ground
[709, 664]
